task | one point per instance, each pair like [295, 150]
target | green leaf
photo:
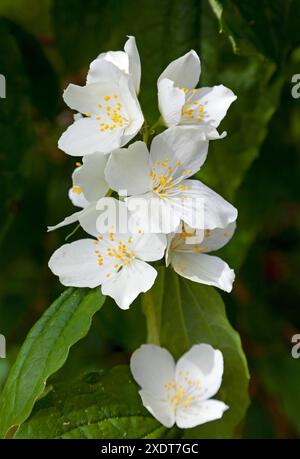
[44, 351]
[260, 25]
[100, 405]
[192, 313]
[44, 84]
[280, 376]
[30, 14]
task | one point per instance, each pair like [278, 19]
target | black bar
[142, 448]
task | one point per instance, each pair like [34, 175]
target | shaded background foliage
[252, 47]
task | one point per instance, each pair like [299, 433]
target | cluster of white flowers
[170, 213]
[140, 204]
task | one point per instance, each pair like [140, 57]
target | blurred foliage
[47, 44]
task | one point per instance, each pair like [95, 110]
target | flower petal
[90, 176]
[106, 68]
[134, 62]
[204, 363]
[184, 148]
[216, 101]
[128, 169]
[184, 71]
[129, 282]
[67, 221]
[152, 367]
[84, 138]
[97, 69]
[153, 214]
[216, 239]
[216, 212]
[77, 197]
[160, 409]
[76, 264]
[88, 219]
[170, 102]
[200, 413]
[150, 247]
[202, 268]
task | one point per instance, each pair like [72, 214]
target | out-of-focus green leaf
[43, 81]
[192, 313]
[257, 84]
[15, 127]
[44, 351]
[266, 26]
[280, 376]
[271, 181]
[101, 405]
[30, 14]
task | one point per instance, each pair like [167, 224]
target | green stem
[73, 232]
[158, 123]
[146, 134]
[148, 131]
[151, 317]
[109, 193]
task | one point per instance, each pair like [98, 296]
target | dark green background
[47, 44]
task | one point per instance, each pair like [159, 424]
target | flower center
[118, 250]
[111, 113]
[182, 395]
[192, 110]
[163, 181]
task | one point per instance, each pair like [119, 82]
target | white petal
[216, 239]
[184, 71]
[90, 176]
[200, 413]
[211, 132]
[182, 144]
[202, 268]
[88, 219]
[134, 62]
[84, 137]
[204, 363]
[160, 409]
[129, 282]
[114, 217]
[153, 214]
[118, 58]
[105, 69]
[216, 212]
[76, 264]
[170, 102]
[128, 169]
[150, 247]
[77, 197]
[152, 367]
[216, 101]
[67, 221]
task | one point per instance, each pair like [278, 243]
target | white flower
[112, 114]
[88, 180]
[89, 185]
[180, 103]
[128, 61]
[188, 255]
[179, 393]
[160, 194]
[116, 261]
